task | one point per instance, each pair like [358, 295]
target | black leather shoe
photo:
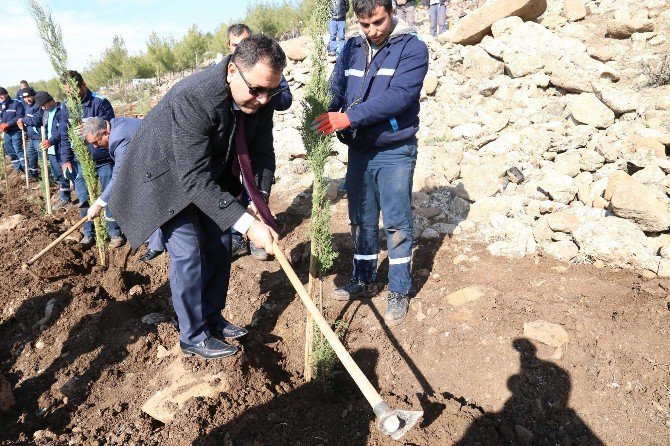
[354, 290]
[226, 330]
[396, 308]
[149, 255]
[87, 241]
[210, 348]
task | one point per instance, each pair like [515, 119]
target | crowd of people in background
[194, 176]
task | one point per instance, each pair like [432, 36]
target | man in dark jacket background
[376, 86]
[181, 174]
[11, 110]
[93, 105]
[337, 25]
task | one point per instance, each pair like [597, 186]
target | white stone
[564, 250]
[617, 242]
[586, 108]
[559, 186]
[642, 204]
[547, 333]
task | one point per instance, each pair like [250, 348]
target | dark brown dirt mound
[81, 363]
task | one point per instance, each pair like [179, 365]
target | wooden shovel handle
[356, 373]
[55, 242]
[45, 170]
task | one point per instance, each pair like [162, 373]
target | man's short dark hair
[23, 82]
[365, 8]
[257, 48]
[74, 75]
[237, 30]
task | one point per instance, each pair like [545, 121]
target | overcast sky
[89, 26]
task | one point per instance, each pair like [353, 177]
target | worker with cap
[31, 123]
[51, 111]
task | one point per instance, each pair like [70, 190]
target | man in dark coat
[181, 174]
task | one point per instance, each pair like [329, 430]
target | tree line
[167, 54]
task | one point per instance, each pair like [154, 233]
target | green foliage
[218, 42]
[324, 359]
[286, 18]
[316, 101]
[191, 49]
[52, 41]
[160, 53]
[272, 18]
[109, 66]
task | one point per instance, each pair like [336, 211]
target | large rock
[296, 49]
[614, 182]
[587, 109]
[643, 205]
[564, 250]
[559, 186]
[623, 28]
[617, 242]
[547, 333]
[574, 10]
[477, 183]
[619, 100]
[477, 24]
[478, 64]
[12, 222]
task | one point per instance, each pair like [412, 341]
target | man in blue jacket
[32, 123]
[337, 25]
[11, 110]
[93, 106]
[375, 110]
[51, 111]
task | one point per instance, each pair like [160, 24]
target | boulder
[587, 109]
[472, 29]
[643, 205]
[574, 10]
[296, 49]
[564, 250]
[616, 180]
[563, 222]
[12, 222]
[478, 64]
[559, 186]
[617, 242]
[624, 28]
[477, 182]
[619, 100]
[430, 83]
[547, 333]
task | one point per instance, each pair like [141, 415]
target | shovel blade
[396, 423]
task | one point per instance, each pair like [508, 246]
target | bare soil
[80, 376]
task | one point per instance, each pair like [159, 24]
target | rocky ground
[540, 291]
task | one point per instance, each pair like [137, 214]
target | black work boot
[396, 308]
[354, 290]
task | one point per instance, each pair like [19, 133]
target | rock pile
[566, 100]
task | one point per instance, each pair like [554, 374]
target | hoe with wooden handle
[26, 265]
[392, 422]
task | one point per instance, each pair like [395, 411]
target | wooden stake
[45, 175]
[309, 326]
[4, 166]
[25, 157]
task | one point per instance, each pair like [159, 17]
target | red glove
[331, 122]
[3, 127]
[67, 171]
[46, 144]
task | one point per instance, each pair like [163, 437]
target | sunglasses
[258, 91]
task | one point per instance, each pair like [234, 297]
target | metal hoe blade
[395, 422]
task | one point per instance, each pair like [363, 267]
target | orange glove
[331, 122]
[3, 127]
